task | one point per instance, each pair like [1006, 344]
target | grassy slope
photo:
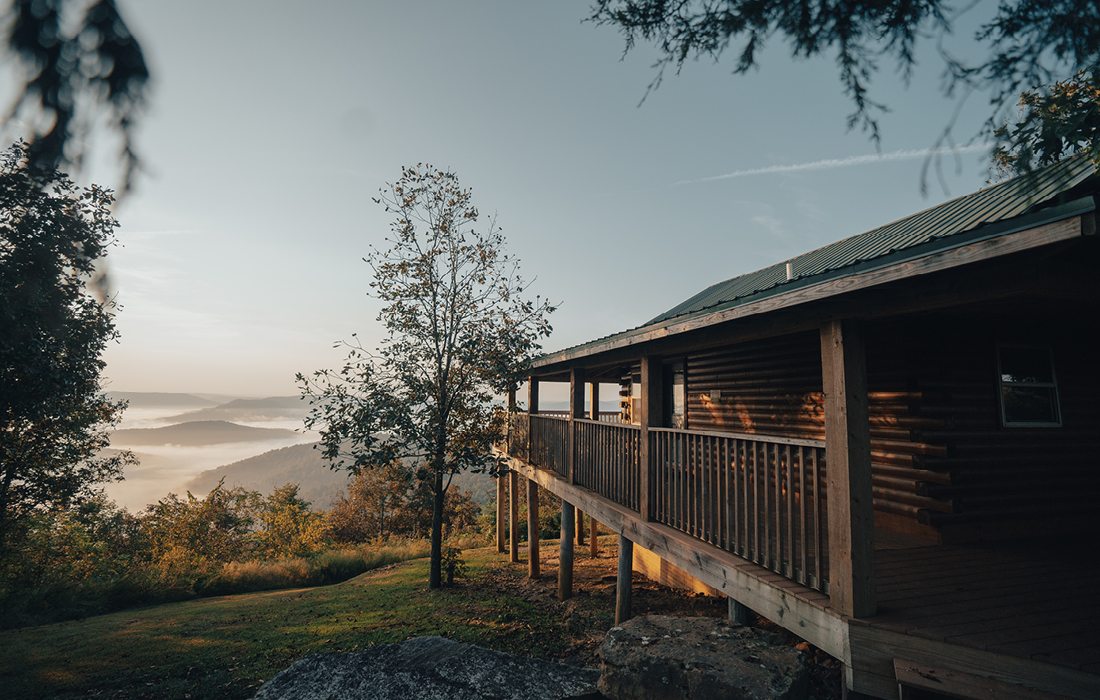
[227, 646]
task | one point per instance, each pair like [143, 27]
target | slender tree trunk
[435, 578]
[5, 492]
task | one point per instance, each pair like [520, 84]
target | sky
[272, 125]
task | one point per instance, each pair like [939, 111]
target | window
[676, 396]
[1029, 390]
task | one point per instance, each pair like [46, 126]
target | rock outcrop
[428, 668]
[672, 658]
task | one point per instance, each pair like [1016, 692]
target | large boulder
[427, 668]
[657, 657]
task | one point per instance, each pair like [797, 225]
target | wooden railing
[605, 416]
[519, 435]
[607, 460]
[550, 443]
[760, 497]
[757, 496]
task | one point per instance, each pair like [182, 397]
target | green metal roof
[988, 212]
[1005, 200]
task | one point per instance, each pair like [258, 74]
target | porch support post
[580, 527]
[652, 407]
[501, 496]
[532, 395]
[594, 400]
[594, 536]
[738, 614]
[513, 516]
[848, 469]
[532, 529]
[501, 510]
[576, 410]
[624, 580]
[565, 554]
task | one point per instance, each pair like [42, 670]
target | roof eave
[721, 313]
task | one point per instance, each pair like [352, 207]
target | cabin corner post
[532, 529]
[576, 410]
[848, 469]
[651, 409]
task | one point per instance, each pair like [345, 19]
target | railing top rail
[754, 437]
[607, 424]
[549, 416]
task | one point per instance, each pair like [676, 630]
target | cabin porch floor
[1026, 611]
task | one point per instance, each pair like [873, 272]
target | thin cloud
[833, 163]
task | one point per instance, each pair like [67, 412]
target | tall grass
[331, 566]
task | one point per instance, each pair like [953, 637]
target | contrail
[850, 161]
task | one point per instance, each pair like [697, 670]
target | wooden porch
[1026, 611]
[828, 452]
[746, 514]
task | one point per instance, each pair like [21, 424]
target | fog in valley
[177, 437]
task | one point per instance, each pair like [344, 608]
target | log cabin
[887, 446]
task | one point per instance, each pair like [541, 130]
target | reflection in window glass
[1029, 392]
[1026, 365]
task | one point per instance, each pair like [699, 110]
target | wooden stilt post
[738, 614]
[532, 529]
[501, 486]
[848, 470]
[513, 516]
[580, 527]
[624, 580]
[502, 510]
[565, 556]
[594, 536]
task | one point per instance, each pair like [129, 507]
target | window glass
[1029, 392]
[679, 397]
[1028, 365]
[1026, 404]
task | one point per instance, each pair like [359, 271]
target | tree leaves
[460, 329]
[1029, 43]
[54, 417]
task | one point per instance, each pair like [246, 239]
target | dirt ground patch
[590, 612]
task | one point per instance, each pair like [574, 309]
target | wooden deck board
[1018, 602]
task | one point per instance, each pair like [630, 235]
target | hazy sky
[273, 124]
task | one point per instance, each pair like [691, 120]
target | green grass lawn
[227, 646]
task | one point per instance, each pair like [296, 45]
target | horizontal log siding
[999, 482]
[773, 387]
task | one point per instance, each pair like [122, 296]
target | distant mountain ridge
[195, 433]
[270, 408]
[305, 466]
[160, 399]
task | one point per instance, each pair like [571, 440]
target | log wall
[1000, 482]
[773, 387]
[943, 465]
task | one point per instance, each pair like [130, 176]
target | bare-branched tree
[460, 327]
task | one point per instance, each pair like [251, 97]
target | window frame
[1052, 384]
